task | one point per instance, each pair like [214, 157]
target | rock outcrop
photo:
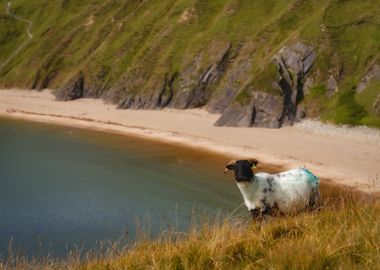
[294, 63]
[332, 86]
[193, 86]
[165, 96]
[193, 93]
[266, 109]
[239, 71]
[73, 90]
[376, 105]
[372, 74]
[160, 98]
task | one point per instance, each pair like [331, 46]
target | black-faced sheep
[287, 192]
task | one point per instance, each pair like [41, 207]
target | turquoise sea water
[62, 187]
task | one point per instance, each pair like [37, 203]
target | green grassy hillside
[196, 52]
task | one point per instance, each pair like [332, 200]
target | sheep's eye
[230, 167]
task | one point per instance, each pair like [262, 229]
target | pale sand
[339, 159]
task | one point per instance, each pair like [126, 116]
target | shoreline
[342, 161]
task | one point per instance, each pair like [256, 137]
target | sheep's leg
[256, 214]
[267, 211]
[314, 199]
[266, 207]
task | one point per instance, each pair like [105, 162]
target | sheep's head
[242, 169]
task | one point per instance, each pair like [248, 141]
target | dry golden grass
[343, 234]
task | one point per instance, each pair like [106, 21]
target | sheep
[287, 192]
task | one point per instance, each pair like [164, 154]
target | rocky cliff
[258, 63]
[292, 64]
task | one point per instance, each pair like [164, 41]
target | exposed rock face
[229, 87]
[332, 86]
[166, 94]
[376, 105]
[237, 116]
[73, 90]
[372, 74]
[159, 99]
[195, 93]
[134, 102]
[192, 87]
[264, 110]
[192, 90]
[294, 63]
[269, 110]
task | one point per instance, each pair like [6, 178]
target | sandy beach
[343, 160]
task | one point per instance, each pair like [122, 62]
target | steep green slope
[191, 53]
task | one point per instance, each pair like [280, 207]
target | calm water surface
[61, 187]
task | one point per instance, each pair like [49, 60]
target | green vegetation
[343, 234]
[367, 99]
[11, 32]
[146, 40]
[354, 37]
[345, 110]
[316, 100]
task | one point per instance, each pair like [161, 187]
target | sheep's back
[293, 189]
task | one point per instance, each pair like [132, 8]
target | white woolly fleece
[289, 191]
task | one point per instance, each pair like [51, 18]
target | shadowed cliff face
[258, 63]
[293, 64]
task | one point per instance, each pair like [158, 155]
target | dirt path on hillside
[22, 46]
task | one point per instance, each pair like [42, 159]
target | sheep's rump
[296, 189]
[313, 180]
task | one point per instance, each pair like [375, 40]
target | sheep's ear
[253, 162]
[230, 166]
